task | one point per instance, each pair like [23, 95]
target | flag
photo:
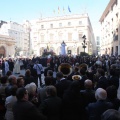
[63, 10]
[54, 11]
[58, 10]
[69, 9]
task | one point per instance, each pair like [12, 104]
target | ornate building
[110, 29]
[6, 46]
[49, 33]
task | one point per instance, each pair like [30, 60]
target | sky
[20, 10]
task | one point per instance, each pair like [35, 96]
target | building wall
[110, 22]
[51, 32]
[6, 46]
[17, 32]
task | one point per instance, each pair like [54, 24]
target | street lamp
[84, 42]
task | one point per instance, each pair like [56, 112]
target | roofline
[107, 10]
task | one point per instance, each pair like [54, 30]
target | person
[10, 100]
[110, 114]
[17, 67]
[20, 82]
[96, 109]
[6, 66]
[11, 65]
[51, 106]
[25, 110]
[28, 78]
[12, 81]
[46, 69]
[39, 68]
[88, 94]
[73, 103]
[62, 84]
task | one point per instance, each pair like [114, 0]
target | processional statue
[63, 51]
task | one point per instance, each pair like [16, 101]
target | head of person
[48, 80]
[12, 79]
[76, 69]
[13, 90]
[20, 82]
[4, 79]
[111, 92]
[27, 72]
[100, 94]
[51, 91]
[9, 73]
[31, 88]
[100, 72]
[88, 84]
[82, 71]
[22, 94]
[49, 73]
[59, 75]
[110, 114]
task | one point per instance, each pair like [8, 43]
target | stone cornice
[107, 9]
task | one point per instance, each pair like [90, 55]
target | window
[69, 23]
[80, 22]
[60, 24]
[98, 42]
[51, 25]
[42, 26]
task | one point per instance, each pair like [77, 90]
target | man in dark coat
[46, 69]
[95, 110]
[62, 84]
[25, 110]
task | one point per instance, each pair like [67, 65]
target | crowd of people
[88, 92]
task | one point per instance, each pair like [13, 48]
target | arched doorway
[2, 51]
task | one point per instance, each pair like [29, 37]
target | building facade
[20, 33]
[49, 33]
[6, 46]
[110, 29]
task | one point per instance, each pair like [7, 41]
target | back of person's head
[59, 75]
[27, 72]
[112, 72]
[3, 79]
[50, 73]
[9, 73]
[77, 64]
[110, 114]
[113, 66]
[76, 69]
[13, 90]
[51, 90]
[111, 92]
[100, 94]
[88, 84]
[31, 88]
[20, 93]
[12, 79]
[48, 80]
[82, 71]
[101, 71]
[75, 86]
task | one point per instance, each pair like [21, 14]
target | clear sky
[19, 10]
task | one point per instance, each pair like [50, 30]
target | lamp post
[84, 42]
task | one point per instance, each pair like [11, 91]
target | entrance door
[2, 52]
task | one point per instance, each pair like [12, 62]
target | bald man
[88, 94]
[95, 110]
